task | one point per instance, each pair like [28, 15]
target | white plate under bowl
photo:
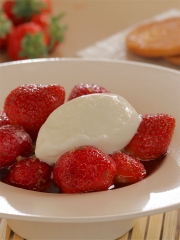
[107, 214]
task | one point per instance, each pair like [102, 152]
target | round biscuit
[156, 39]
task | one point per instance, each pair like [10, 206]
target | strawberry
[6, 28]
[4, 120]
[85, 89]
[20, 11]
[153, 137]
[52, 27]
[27, 41]
[84, 169]
[29, 105]
[30, 173]
[129, 169]
[14, 142]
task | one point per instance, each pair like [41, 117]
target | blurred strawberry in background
[28, 29]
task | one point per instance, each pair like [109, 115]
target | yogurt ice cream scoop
[106, 121]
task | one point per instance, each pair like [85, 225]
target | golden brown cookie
[156, 39]
[174, 60]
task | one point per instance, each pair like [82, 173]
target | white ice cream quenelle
[106, 121]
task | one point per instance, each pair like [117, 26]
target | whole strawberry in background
[29, 105]
[84, 169]
[15, 142]
[52, 27]
[30, 173]
[27, 41]
[20, 11]
[6, 28]
[153, 136]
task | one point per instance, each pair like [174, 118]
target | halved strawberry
[84, 169]
[153, 136]
[129, 169]
[29, 105]
[31, 174]
[14, 143]
[86, 88]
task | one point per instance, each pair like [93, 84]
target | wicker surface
[164, 226]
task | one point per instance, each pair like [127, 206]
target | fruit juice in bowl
[90, 146]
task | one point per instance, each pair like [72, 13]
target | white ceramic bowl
[108, 214]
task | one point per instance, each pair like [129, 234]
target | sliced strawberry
[52, 26]
[20, 11]
[153, 137]
[86, 88]
[31, 174]
[14, 142]
[29, 105]
[84, 169]
[129, 169]
[4, 120]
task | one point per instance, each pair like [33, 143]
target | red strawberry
[85, 89]
[29, 105]
[84, 169]
[6, 28]
[52, 27]
[129, 169]
[4, 120]
[31, 174]
[20, 11]
[27, 41]
[153, 137]
[14, 142]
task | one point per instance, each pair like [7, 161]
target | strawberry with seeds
[85, 89]
[129, 169]
[31, 174]
[20, 11]
[27, 41]
[4, 120]
[84, 169]
[14, 143]
[153, 137]
[29, 105]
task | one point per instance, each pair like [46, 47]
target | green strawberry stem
[32, 46]
[56, 30]
[5, 25]
[27, 8]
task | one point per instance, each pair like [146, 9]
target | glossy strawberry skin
[31, 174]
[84, 169]
[4, 120]
[14, 142]
[10, 7]
[129, 169]
[85, 89]
[29, 105]
[16, 48]
[153, 137]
